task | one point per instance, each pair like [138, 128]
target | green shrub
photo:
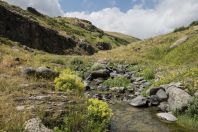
[148, 74]
[99, 111]
[93, 116]
[68, 81]
[180, 29]
[117, 82]
[194, 23]
[192, 109]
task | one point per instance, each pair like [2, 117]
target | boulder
[154, 100]
[164, 106]
[179, 42]
[103, 73]
[153, 91]
[167, 117]
[29, 71]
[138, 101]
[43, 72]
[87, 48]
[103, 46]
[35, 125]
[117, 89]
[161, 94]
[196, 94]
[178, 98]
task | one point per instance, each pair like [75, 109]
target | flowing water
[130, 119]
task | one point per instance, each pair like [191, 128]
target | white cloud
[138, 22]
[144, 23]
[49, 7]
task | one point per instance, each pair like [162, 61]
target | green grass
[117, 82]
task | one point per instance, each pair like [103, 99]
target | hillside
[48, 81]
[172, 57]
[55, 35]
[128, 38]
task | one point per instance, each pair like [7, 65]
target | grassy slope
[179, 64]
[128, 38]
[81, 30]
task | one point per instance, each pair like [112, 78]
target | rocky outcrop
[29, 32]
[103, 46]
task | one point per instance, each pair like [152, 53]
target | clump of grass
[190, 116]
[148, 73]
[117, 82]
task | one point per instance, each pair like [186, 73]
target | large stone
[164, 106]
[29, 71]
[179, 42]
[154, 100]
[87, 48]
[47, 73]
[103, 73]
[153, 91]
[104, 46]
[167, 117]
[161, 94]
[118, 89]
[178, 98]
[138, 101]
[35, 125]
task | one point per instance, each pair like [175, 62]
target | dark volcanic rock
[23, 29]
[87, 48]
[103, 46]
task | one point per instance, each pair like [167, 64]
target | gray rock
[138, 101]
[179, 42]
[104, 88]
[178, 98]
[154, 100]
[35, 125]
[153, 91]
[161, 94]
[137, 93]
[47, 73]
[196, 94]
[146, 84]
[139, 79]
[164, 106]
[20, 108]
[41, 97]
[167, 117]
[103, 73]
[29, 71]
[118, 89]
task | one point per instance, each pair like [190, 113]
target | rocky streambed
[132, 111]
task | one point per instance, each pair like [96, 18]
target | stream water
[130, 119]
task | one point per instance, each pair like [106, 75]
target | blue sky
[95, 5]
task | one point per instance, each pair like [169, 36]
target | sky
[138, 18]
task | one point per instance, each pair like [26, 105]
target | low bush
[192, 109]
[99, 111]
[68, 81]
[93, 116]
[117, 82]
